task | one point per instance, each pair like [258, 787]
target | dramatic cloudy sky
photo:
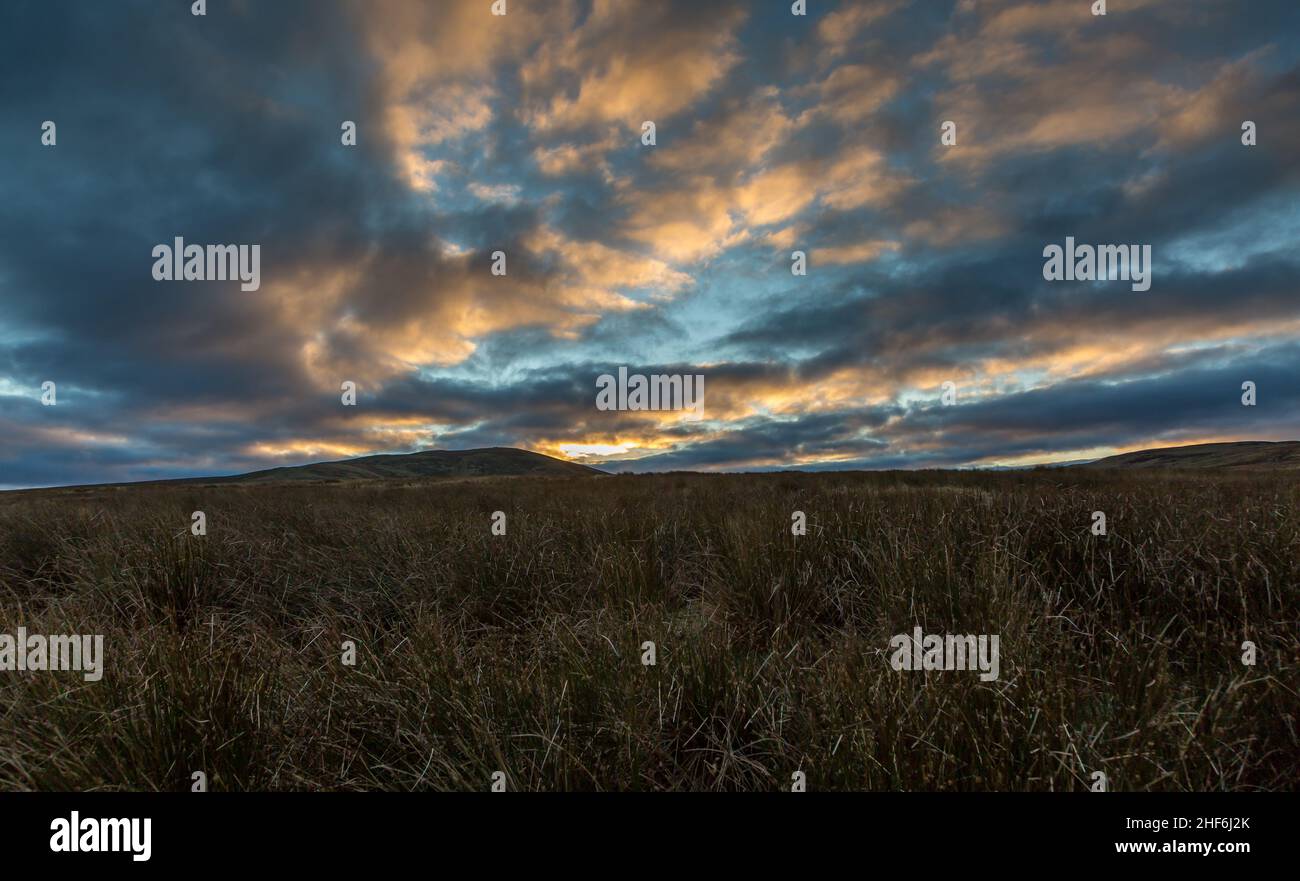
[522, 133]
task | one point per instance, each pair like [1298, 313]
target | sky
[524, 133]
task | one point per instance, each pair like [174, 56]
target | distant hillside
[493, 461]
[1258, 455]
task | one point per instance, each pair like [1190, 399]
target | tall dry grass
[521, 653]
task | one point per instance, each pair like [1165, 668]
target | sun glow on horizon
[571, 451]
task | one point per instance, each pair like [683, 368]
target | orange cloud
[631, 62]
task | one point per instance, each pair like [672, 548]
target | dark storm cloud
[523, 135]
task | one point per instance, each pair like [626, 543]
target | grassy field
[522, 653]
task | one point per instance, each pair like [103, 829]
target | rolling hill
[489, 462]
[1254, 455]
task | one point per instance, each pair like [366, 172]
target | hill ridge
[478, 462]
[1257, 455]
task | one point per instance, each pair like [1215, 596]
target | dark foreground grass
[522, 653]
